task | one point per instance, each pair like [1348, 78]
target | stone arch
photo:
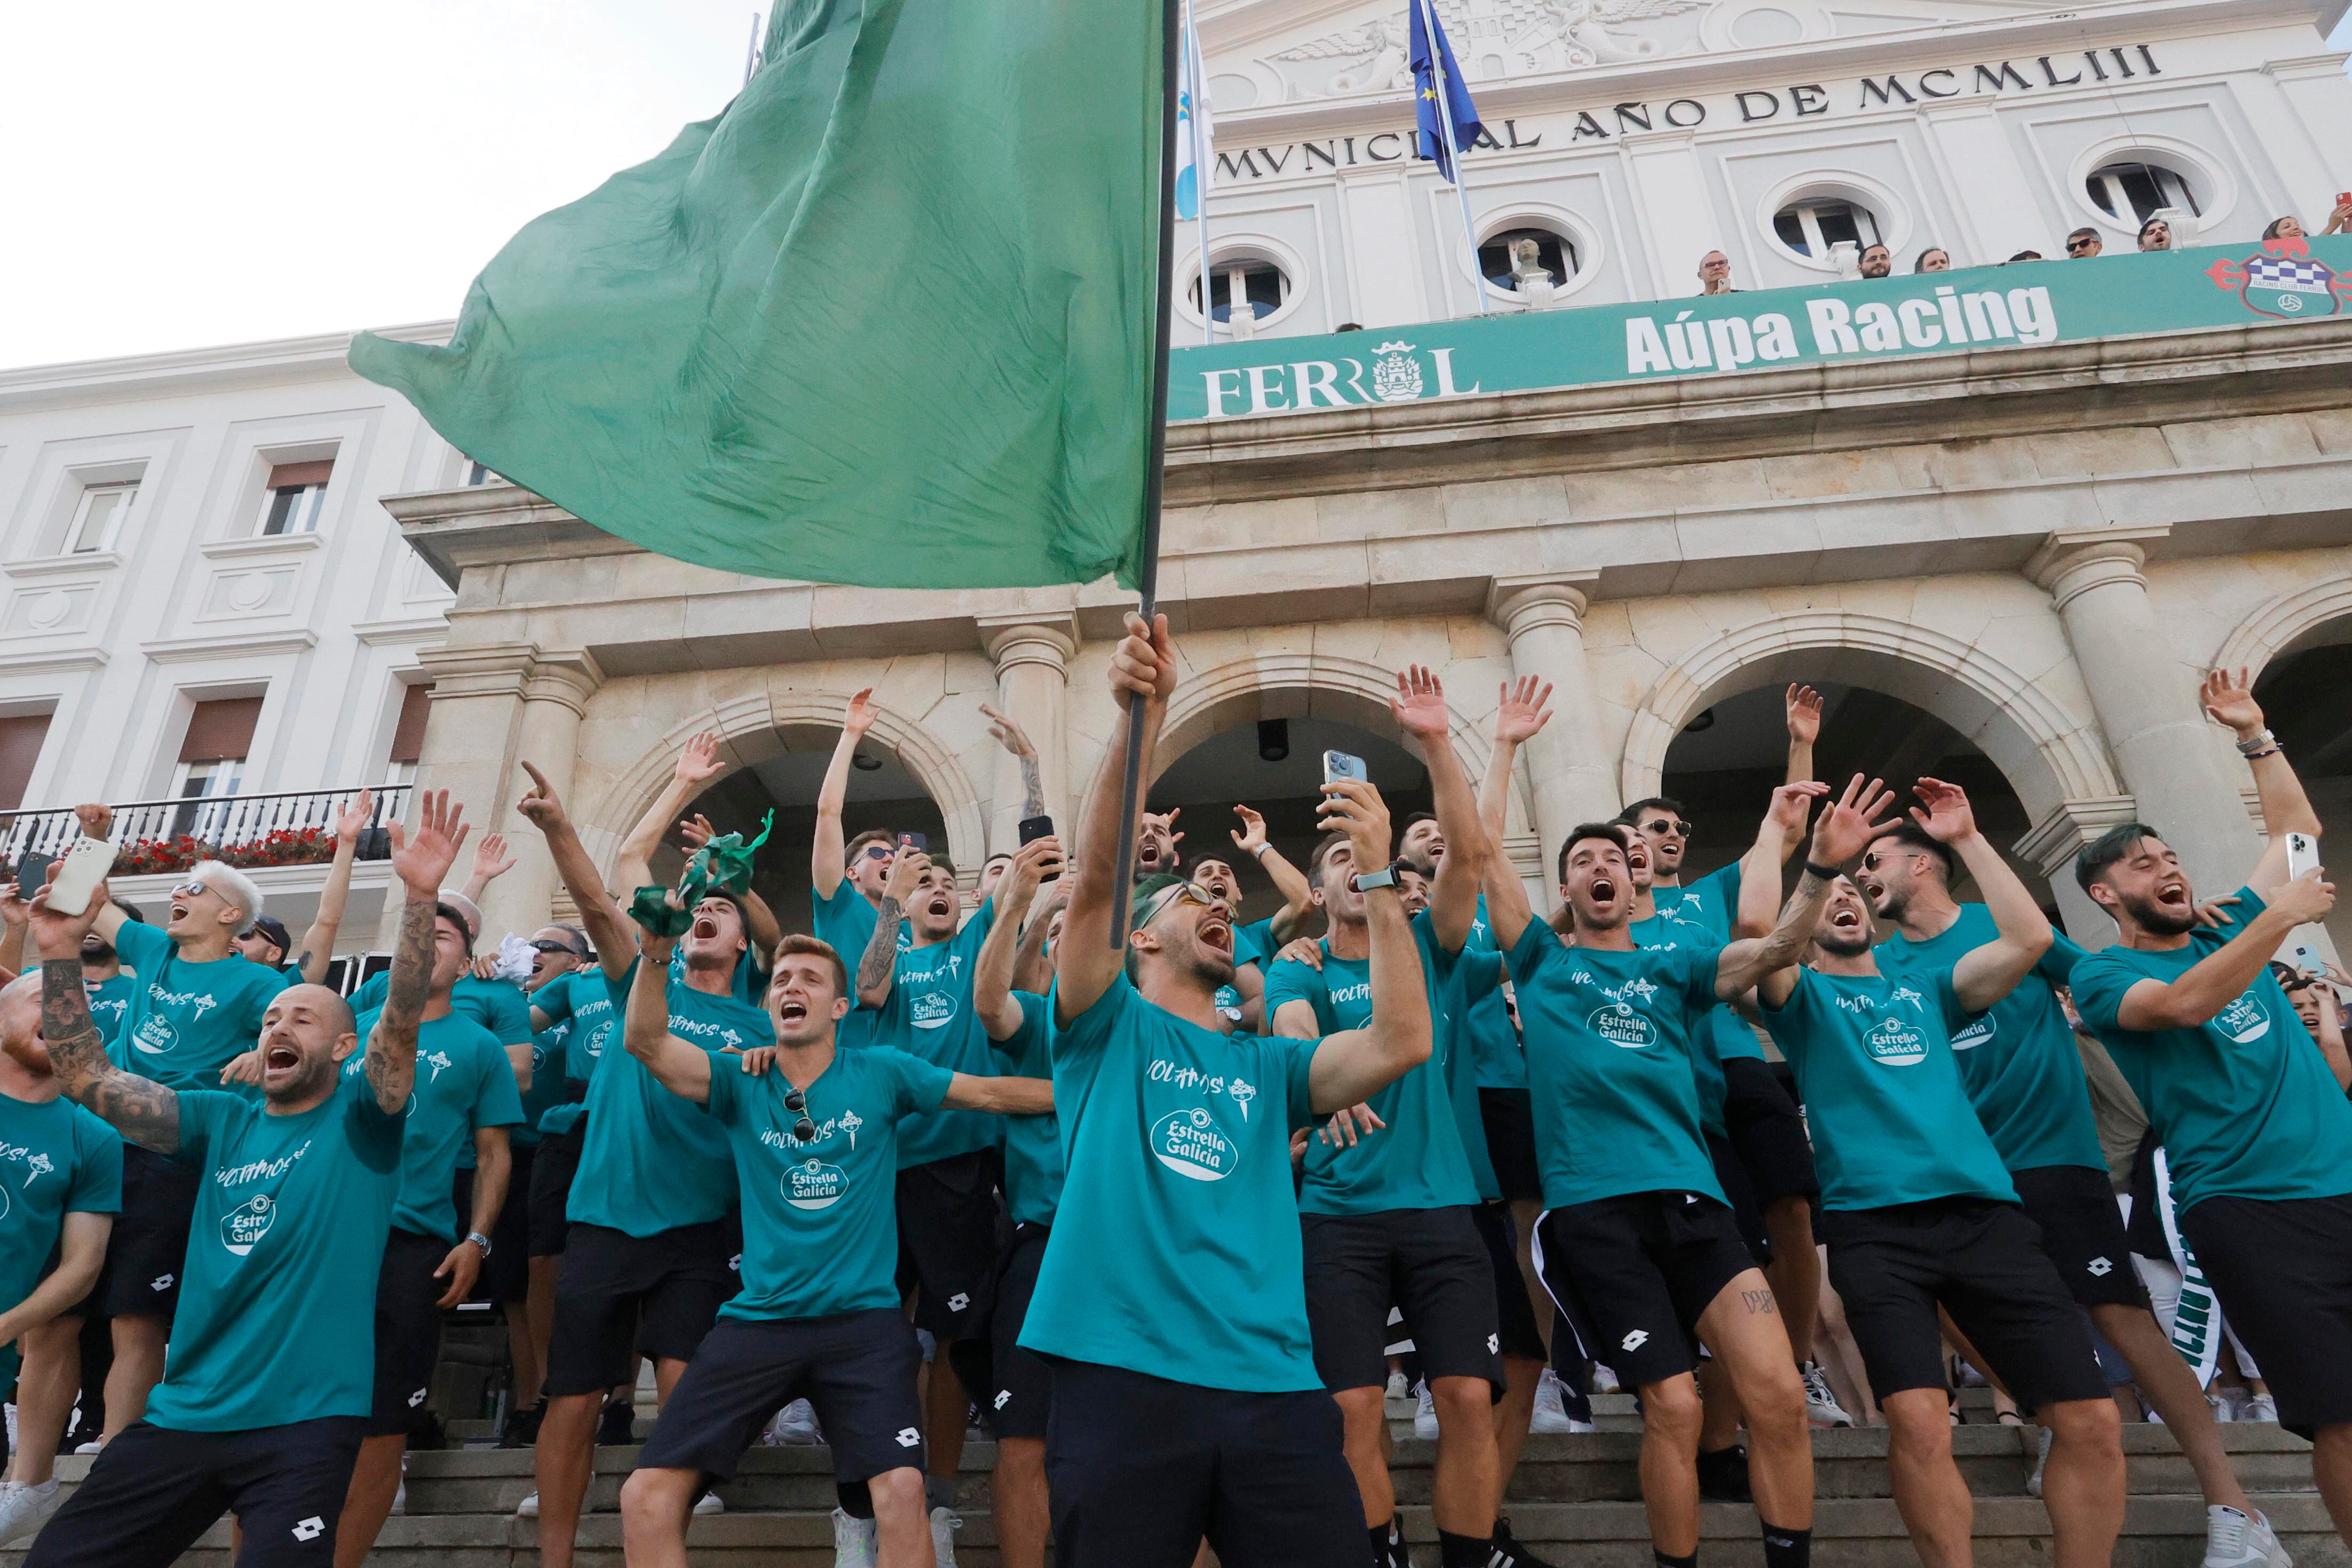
[2048, 755]
[2277, 627]
[755, 726]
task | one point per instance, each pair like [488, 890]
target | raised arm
[140, 1109]
[97, 820]
[2221, 976]
[1354, 1064]
[1142, 668]
[613, 936]
[1001, 950]
[1759, 870]
[1419, 708]
[421, 861]
[680, 1067]
[1011, 736]
[760, 922]
[1804, 708]
[1846, 829]
[1524, 708]
[1985, 975]
[2230, 700]
[13, 919]
[318, 948]
[1288, 879]
[878, 964]
[828, 851]
[697, 765]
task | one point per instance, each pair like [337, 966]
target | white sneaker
[853, 1540]
[400, 1499]
[1821, 1408]
[1425, 1416]
[794, 1426]
[25, 1508]
[528, 1508]
[1550, 1415]
[92, 1447]
[1397, 1389]
[2034, 1481]
[945, 1523]
[1603, 1380]
[707, 1504]
[2222, 1409]
[2259, 1407]
[2233, 1540]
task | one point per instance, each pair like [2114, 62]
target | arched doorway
[2302, 692]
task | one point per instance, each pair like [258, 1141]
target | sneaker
[2041, 1460]
[707, 1504]
[1603, 1380]
[521, 1428]
[2259, 1407]
[1425, 1416]
[25, 1508]
[2235, 1540]
[2222, 1409]
[853, 1540]
[92, 1446]
[794, 1426]
[1723, 1474]
[1550, 1415]
[618, 1429]
[1393, 1554]
[1398, 1388]
[945, 1523]
[529, 1508]
[1821, 1408]
[1509, 1554]
[400, 1497]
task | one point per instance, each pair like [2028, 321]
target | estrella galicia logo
[1621, 1027]
[156, 1036]
[2284, 281]
[2244, 1020]
[244, 1227]
[1975, 1035]
[814, 1185]
[932, 1009]
[1191, 1143]
[596, 1040]
[1895, 1044]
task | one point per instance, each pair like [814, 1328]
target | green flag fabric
[886, 321]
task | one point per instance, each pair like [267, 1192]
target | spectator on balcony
[2024, 256]
[1877, 261]
[2084, 243]
[1935, 259]
[1715, 274]
[2156, 233]
[2291, 226]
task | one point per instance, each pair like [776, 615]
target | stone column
[469, 740]
[554, 700]
[2163, 745]
[1032, 678]
[1574, 778]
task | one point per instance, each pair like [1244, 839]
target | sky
[182, 175]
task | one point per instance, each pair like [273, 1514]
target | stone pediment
[1335, 52]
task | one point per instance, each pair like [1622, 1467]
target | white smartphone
[2302, 854]
[79, 873]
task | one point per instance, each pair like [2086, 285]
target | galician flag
[887, 319]
[1196, 135]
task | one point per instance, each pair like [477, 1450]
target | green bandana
[723, 864]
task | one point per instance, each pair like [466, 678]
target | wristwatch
[478, 1239]
[1364, 882]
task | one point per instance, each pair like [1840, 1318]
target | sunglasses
[547, 944]
[877, 852]
[1666, 829]
[804, 1129]
[1192, 891]
[2080, 244]
[189, 889]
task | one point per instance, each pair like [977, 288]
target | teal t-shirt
[846, 922]
[1253, 944]
[1495, 1054]
[1032, 1144]
[1176, 1252]
[1609, 1037]
[56, 1159]
[1711, 904]
[930, 1017]
[187, 1021]
[498, 1006]
[277, 1316]
[647, 1161]
[820, 1218]
[2244, 1105]
[464, 1080]
[1477, 979]
[547, 1088]
[1890, 1119]
[110, 1004]
[1417, 1161]
[750, 980]
[2017, 1061]
[582, 1002]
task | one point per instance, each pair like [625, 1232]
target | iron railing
[236, 826]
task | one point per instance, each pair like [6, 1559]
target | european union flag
[1429, 135]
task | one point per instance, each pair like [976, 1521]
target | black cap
[272, 930]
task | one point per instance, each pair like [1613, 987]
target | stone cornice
[2051, 843]
[1523, 601]
[319, 357]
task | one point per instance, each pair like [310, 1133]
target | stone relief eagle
[1542, 35]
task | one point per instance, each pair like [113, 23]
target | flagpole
[1131, 788]
[1199, 74]
[1453, 150]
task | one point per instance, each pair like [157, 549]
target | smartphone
[85, 866]
[2302, 854]
[916, 841]
[1032, 828]
[32, 871]
[1338, 766]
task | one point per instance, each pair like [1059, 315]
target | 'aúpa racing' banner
[2276, 281]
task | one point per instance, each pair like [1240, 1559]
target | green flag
[887, 319]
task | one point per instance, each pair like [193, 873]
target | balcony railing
[248, 830]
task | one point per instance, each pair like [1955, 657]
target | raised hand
[699, 763]
[14, 910]
[1792, 804]
[1250, 837]
[491, 860]
[1419, 705]
[1008, 733]
[2230, 700]
[1943, 811]
[55, 935]
[1144, 662]
[353, 820]
[422, 859]
[1857, 821]
[539, 806]
[697, 831]
[1031, 864]
[1804, 714]
[1525, 709]
[860, 715]
[907, 867]
[1354, 808]
[96, 818]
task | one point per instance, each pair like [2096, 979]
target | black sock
[1464, 1551]
[939, 1491]
[1787, 1548]
[1380, 1534]
[855, 1497]
[1666, 1561]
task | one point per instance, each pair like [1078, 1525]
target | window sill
[262, 544]
[66, 565]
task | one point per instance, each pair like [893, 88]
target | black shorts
[153, 1490]
[1982, 1261]
[2283, 1272]
[1141, 1469]
[1019, 1385]
[149, 1245]
[620, 1295]
[551, 1170]
[1521, 1339]
[1632, 1274]
[2083, 1232]
[858, 1370]
[506, 1276]
[1430, 1264]
[1767, 1133]
[949, 1239]
[1746, 1213]
[407, 1328]
[1510, 1120]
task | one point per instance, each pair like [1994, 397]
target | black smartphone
[1032, 828]
[32, 872]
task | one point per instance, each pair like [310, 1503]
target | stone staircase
[1575, 1500]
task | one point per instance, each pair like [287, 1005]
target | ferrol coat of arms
[1395, 377]
[2284, 281]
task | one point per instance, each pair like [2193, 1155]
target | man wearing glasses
[814, 1142]
[2084, 243]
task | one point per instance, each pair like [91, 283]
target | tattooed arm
[879, 964]
[140, 1109]
[1011, 736]
[421, 859]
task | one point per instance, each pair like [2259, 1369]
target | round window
[1262, 285]
[2132, 190]
[1810, 224]
[1504, 257]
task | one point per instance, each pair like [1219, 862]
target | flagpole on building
[1131, 788]
[1453, 150]
[1198, 71]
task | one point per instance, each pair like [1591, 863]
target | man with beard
[2023, 1075]
[1241, 1005]
[1919, 1213]
[2253, 1125]
[1172, 1301]
[919, 999]
[61, 1173]
[270, 1387]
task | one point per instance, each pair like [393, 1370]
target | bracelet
[478, 1239]
[1825, 873]
[2261, 745]
[2266, 751]
[1259, 853]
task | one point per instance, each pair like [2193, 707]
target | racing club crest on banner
[2284, 281]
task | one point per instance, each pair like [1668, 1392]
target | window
[476, 474]
[2135, 190]
[1810, 225]
[1555, 253]
[212, 761]
[292, 500]
[99, 516]
[20, 749]
[408, 734]
[1261, 283]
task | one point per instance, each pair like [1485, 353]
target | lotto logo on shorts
[418, 1399]
[909, 1437]
[1004, 1398]
[958, 1302]
[1493, 1344]
[1635, 1340]
[161, 1282]
[2100, 1268]
[311, 1529]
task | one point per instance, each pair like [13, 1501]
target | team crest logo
[1395, 378]
[2284, 281]
[814, 1185]
[1191, 1143]
[247, 1224]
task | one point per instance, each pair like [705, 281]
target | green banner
[2274, 282]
